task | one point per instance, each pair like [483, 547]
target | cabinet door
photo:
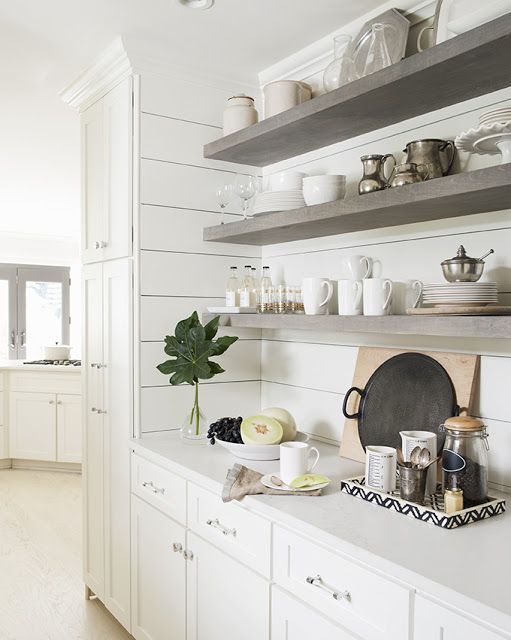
[158, 574]
[434, 622]
[93, 449]
[32, 426]
[69, 428]
[117, 380]
[225, 598]
[293, 620]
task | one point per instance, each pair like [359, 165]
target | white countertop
[469, 567]
[17, 365]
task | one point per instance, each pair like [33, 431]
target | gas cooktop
[66, 363]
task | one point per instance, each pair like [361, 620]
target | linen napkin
[242, 481]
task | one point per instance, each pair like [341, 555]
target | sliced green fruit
[261, 430]
[308, 480]
[286, 420]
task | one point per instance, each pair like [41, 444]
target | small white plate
[267, 481]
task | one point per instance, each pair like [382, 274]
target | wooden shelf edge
[494, 327]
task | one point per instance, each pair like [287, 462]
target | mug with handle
[377, 296]
[295, 460]
[314, 301]
[358, 267]
[350, 297]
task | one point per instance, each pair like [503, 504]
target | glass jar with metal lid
[465, 458]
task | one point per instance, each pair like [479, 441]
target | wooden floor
[41, 589]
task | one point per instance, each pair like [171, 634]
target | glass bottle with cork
[232, 289]
[265, 294]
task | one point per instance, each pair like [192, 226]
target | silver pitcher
[434, 158]
[374, 178]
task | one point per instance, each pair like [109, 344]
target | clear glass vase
[342, 69]
[194, 429]
[378, 56]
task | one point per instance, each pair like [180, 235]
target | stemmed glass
[224, 196]
[245, 188]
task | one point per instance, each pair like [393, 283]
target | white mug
[295, 460]
[377, 296]
[314, 300]
[406, 295]
[381, 468]
[358, 267]
[427, 439]
[350, 297]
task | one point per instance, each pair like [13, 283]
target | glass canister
[465, 458]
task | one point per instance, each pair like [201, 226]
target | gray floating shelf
[452, 326]
[457, 195]
[467, 66]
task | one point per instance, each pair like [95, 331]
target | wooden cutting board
[461, 367]
[460, 310]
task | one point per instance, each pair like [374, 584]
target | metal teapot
[463, 268]
[434, 158]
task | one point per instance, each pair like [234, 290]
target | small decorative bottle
[264, 303]
[255, 288]
[232, 290]
[246, 289]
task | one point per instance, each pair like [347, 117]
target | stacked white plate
[460, 293]
[278, 201]
[501, 114]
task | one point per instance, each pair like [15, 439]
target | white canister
[282, 95]
[239, 114]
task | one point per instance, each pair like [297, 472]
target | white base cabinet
[158, 574]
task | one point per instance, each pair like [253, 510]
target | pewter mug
[374, 178]
[434, 158]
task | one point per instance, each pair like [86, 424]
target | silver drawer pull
[187, 554]
[149, 485]
[177, 547]
[218, 525]
[317, 581]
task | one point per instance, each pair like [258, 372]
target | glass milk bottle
[265, 292]
[232, 290]
[255, 288]
[247, 286]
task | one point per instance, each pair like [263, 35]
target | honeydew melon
[261, 430]
[286, 421]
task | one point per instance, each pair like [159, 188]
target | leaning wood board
[461, 367]
[460, 310]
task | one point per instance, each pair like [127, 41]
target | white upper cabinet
[107, 176]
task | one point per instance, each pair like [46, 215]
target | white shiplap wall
[178, 273]
[308, 372]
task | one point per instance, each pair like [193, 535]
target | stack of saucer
[278, 201]
[460, 293]
[501, 114]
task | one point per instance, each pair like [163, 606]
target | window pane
[44, 317]
[4, 320]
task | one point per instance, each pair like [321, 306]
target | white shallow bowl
[315, 193]
[286, 180]
[258, 452]
[326, 178]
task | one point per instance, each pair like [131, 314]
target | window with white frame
[34, 310]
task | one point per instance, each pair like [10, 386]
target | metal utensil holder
[412, 484]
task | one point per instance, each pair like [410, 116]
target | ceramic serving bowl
[258, 452]
[320, 189]
[286, 181]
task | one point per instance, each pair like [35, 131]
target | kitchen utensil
[407, 173]
[396, 45]
[349, 297]
[377, 296]
[286, 181]
[57, 352]
[373, 178]
[274, 482]
[245, 188]
[342, 69]
[417, 441]
[420, 457]
[487, 139]
[400, 458]
[462, 310]
[314, 301]
[357, 267]
[381, 468]
[433, 157]
[296, 460]
[463, 268]
[258, 452]
[412, 484]
[239, 113]
[282, 95]
[320, 189]
[432, 462]
[410, 388]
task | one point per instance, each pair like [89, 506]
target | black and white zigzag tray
[433, 510]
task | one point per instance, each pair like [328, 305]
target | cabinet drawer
[230, 527]
[359, 600]
[159, 487]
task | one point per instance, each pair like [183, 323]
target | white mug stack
[360, 293]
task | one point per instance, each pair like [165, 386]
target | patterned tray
[433, 510]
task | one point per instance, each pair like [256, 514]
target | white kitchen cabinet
[294, 620]
[106, 176]
[32, 426]
[69, 428]
[158, 574]
[225, 599]
[108, 418]
[434, 622]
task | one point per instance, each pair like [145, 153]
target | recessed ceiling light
[197, 4]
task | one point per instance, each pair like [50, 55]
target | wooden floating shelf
[452, 326]
[461, 194]
[467, 66]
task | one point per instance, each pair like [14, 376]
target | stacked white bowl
[284, 193]
[324, 188]
[500, 114]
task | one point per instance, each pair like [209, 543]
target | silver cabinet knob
[52, 402]
[59, 401]
[101, 411]
[97, 245]
[100, 244]
[188, 555]
[93, 410]
[177, 547]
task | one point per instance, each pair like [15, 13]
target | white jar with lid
[239, 113]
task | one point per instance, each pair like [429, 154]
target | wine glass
[224, 196]
[245, 188]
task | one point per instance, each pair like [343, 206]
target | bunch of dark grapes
[226, 429]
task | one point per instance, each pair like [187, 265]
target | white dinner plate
[258, 451]
[267, 481]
